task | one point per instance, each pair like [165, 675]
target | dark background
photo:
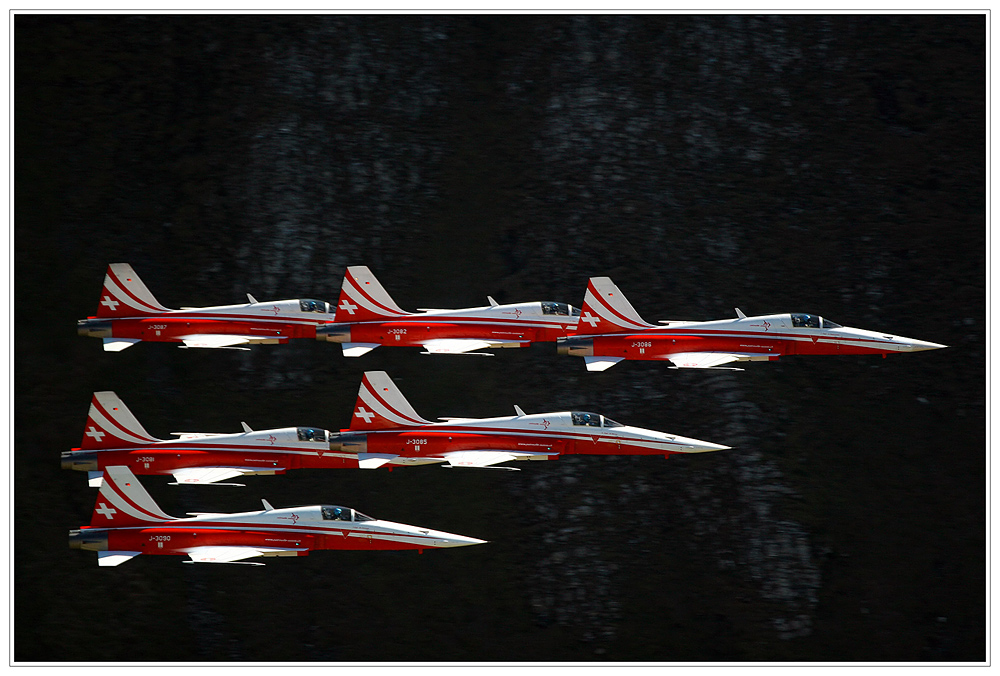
[827, 164]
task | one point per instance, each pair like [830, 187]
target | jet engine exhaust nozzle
[577, 347]
[84, 461]
[350, 442]
[94, 541]
[334, 333]
[94, 328]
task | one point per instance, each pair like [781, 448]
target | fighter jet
[610, 330]
[113, 436]
[385, 430]
[128, 314]
[127, 522]
[367, 317]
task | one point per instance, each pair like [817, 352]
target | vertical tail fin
[606, 310]
[362, 298]
[124, 294]
[123, 501]
[111, 425]
[381, 405]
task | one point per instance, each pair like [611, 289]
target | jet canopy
[593, 420]
[553, 308]
[316, 434]
[335, 513]
[804, 321]
[310, 305]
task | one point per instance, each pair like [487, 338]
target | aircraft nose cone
[698, 446]
[921, 345]
[452, 540]
[706, 446]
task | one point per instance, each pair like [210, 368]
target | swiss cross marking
[110, 303]
[363, 414]
[590, 319]
[346, 305]
[106, 511]
[95, 434]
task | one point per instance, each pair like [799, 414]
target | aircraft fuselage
[291, 531]
[536, 436]
[275, 322]
[514, 325]
[761, 338]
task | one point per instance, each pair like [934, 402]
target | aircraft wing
[455, 346]
[706, 360]
[210, 475]
[215, 340]
[237, 554]
[487, 458]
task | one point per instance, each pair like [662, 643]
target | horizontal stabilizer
[455, 346]
[600, 363]
[358, 349]
[95, 478]
[114, 558]
[119, 344]
[374, 460]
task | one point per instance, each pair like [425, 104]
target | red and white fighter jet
[385, 430]
[127, 522]
[113, 436]
[610, 330]
[367, 317]
[128, 314]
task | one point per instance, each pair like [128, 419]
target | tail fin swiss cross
[381, 405]
[111, 425]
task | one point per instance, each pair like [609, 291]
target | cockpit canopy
[553, 308]
[593, 420]
[805, 321]
[335, 513]
[309, 305]
[313, 434]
